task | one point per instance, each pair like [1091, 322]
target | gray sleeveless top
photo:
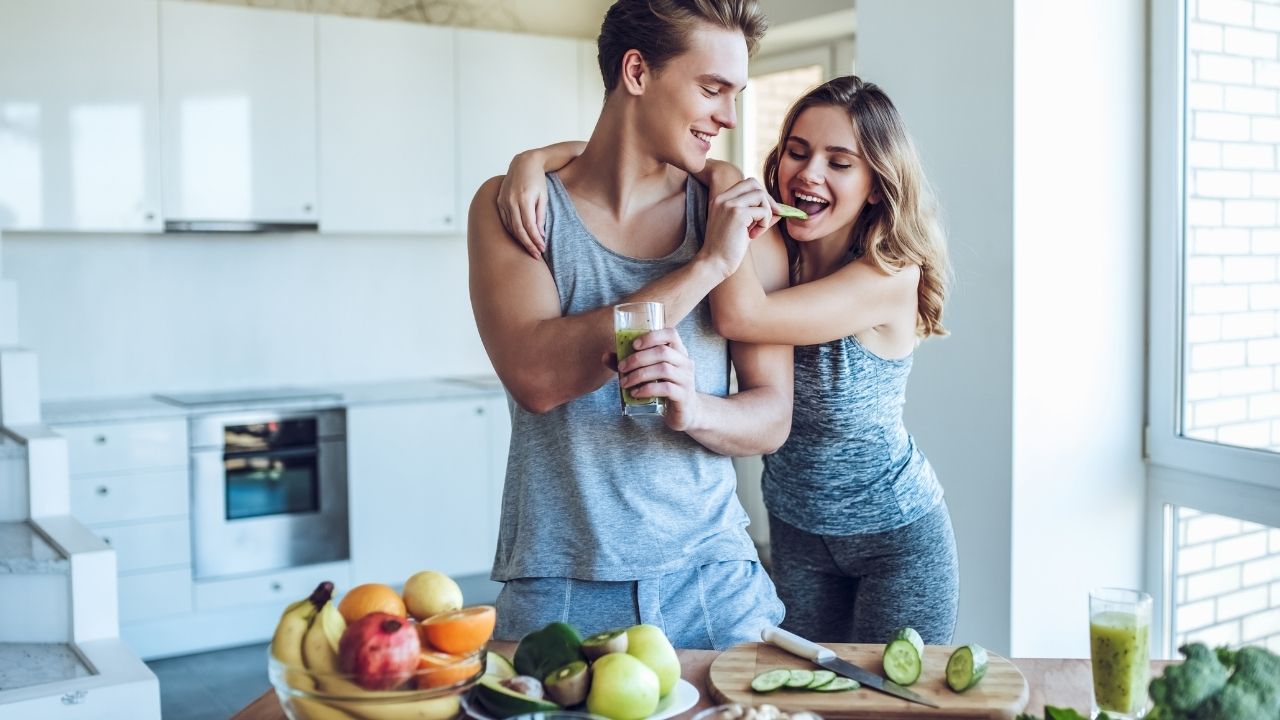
[849, 467]
[596, 495]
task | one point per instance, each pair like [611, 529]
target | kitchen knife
[826, 657]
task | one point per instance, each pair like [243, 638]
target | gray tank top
[849, 467]
[596, 495]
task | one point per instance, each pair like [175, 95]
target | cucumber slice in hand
[770, 680]
[904, 657]
[800, 678]
[839, 684]
[786, 211]
[820, 678]
[966, 667]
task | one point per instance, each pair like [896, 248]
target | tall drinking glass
[1119, 647]
[630, 321]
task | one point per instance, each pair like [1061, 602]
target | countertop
[128, 409]
[1058, 682]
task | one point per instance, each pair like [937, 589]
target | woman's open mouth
[810, 204]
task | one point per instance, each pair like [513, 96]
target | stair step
[27, 664]
[23, 551]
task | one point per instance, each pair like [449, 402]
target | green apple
[622, 688]
[647, 644]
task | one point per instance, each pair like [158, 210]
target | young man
[609, 520]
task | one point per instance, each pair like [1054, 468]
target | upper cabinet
[387, 134]
[79, 115]
[238, 90]
[515, 92]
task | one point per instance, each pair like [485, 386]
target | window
[1214, 380]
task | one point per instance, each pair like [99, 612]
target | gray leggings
[860, 588]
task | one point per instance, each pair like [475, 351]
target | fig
[569, 685]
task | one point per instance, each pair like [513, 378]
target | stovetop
[249, 397]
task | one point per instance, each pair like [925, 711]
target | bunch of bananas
[306, 643]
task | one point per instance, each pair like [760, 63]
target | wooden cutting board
[1001, 694]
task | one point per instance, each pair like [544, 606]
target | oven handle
[281, 453]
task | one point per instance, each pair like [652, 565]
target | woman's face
[692, 98]
[822, 172]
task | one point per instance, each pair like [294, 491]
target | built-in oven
[268, 491]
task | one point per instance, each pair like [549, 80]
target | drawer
[119, 498]
[123, 447]
[148, 595]
[145, 546]
[281, 587]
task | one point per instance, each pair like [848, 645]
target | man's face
[692, 98]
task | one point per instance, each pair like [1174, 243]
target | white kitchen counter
[124, 409]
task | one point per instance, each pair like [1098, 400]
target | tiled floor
[217, 685]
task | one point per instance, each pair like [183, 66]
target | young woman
[861, 539]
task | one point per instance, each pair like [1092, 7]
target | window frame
[1221, 479]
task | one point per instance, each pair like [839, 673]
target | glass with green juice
[1119, 650]
[630, 321]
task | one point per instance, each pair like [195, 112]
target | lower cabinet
[425, 485]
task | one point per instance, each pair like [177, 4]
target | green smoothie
[625, 340]
[1119, 645]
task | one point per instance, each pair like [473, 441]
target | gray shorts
[714, 606]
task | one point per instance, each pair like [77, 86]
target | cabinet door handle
[448, 219]
[479, 411]
[100, 439]
[150, 216]
[103, 491]
[106, 539]
[306, 207]
[276, 587]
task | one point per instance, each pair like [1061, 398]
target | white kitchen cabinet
[421, 486]
[515, 92]
[79, 115]
[238, 99]
[387, 144]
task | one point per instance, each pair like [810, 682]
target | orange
[370, 598]
[441, 670]
[461, 632]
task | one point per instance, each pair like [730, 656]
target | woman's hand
[522, 201]
[735, 217]
[661, 367]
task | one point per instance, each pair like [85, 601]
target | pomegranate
[380, 650]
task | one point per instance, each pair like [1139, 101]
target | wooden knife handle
[796, 645]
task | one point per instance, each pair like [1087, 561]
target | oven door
[268, 507]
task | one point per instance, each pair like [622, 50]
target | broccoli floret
[1253, 690]
[1183, 687]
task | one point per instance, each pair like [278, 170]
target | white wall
[1032, 410]
[1079, 169]
[960, 397]
[122, 314]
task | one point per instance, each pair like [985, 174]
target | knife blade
[826, 657]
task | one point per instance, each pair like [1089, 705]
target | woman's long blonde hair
[902, 228]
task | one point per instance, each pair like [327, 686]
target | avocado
[504, 702]
[543, 651]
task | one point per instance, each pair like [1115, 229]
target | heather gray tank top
[849, 467]
[596, 495]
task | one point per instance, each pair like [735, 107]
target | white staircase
[60, 651]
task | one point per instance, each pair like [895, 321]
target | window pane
[771, 95]
[1231, 331]
[1227, 581]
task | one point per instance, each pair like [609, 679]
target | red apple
[380, 650]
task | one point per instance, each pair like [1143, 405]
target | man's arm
[545, 359]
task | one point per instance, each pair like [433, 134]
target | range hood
[237, 226]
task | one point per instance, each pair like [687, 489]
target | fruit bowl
[433, 693]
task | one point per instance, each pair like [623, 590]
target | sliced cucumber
[904, 657]
[966, 667]
[800, 678]
[820, 678]
[839, 684]
[770, 680]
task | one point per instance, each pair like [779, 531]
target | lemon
[430, 593]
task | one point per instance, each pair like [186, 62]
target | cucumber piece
[800, 678]
[786, 211]
[820, 678]
[903, 658]
[770, 680]
[966, 667]
[839, 684]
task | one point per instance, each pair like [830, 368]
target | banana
[286, 643]
[320, 652]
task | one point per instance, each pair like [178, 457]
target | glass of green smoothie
[630, 321]
[1119, 649]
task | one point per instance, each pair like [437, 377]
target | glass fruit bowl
[738, 711]
[432, 693]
